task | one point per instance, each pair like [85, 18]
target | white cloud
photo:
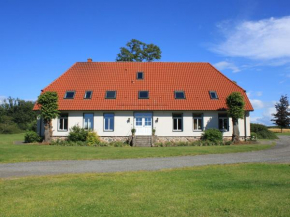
[2, 99]
[257, 104]
[265, 118]
[254, 93]
[267, 39]
[227, 65]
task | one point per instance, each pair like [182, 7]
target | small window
[177, 122]
[143, 94]
[140, 75]
[111, 94]
[197, 122]
[108, 122]
[223, 122]
[213, 95]
[88, 94]
[88, 121]
[179, 95]
[63, 122]
[69, 95]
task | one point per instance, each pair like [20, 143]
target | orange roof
[161, 79]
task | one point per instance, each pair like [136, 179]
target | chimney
[90, 60]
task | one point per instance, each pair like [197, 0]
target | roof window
[140, 75]
[143, 94]
[111, 94]
[213, 95]
[88, 94]
[179, 95]
[69, 95]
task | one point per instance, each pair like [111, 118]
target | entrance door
[143, 123]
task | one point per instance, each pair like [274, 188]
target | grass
[23, 153]
[231, 190]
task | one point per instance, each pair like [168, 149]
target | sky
[248, 41]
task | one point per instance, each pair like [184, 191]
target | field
[225, 190]
[23, 153]
[285, 132]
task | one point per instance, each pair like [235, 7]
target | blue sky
[249, 41]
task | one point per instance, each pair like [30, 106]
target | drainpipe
[245, 123]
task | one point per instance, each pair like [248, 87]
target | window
[179, 95]
[140, 75]
[88, 94]
[177, 122]
[223, 122]
[111, 94]
[148, 121]
[213, 95]
[108, 122]
[69, 95]
[197, 122]
[143, 94]
[88, 121]
[138, 121]
[63, 122]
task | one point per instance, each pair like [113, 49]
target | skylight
[213, 95]
[69, 95]
[111, 94]
[140, 75]
[88, 94]
[143, 95]
[179, 95]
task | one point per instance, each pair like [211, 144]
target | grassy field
[277, 131]
[23, 153]
[225, 190]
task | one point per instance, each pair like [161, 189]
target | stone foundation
[114, 138]
[163, 139]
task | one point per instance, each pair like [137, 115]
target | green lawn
[23, 153]
[224, 190]
[283, 134]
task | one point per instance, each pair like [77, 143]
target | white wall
[164, 126]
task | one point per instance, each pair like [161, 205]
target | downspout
[245, 123]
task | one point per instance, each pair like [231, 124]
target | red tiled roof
[161, 79]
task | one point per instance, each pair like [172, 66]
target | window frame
[179, 91]
[213, 91]
[143, 91]
[58, 122]
[178, 118]
[86, 94]
[138, 77]
[104, 124]
[201, 117]
[65, 95]
[106, 94]
[93, 125]
[223, 116]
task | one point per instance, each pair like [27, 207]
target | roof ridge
[140, 62]
[59, 77]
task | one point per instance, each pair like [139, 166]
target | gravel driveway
[280, 153]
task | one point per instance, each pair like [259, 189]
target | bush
[262, 132]
[31, 136]
[77, 134]
[253, 136]
[213, 135]
[92, 138]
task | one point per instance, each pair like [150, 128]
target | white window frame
[109, 123]
[60, 118]
[223, 120]
[197, 118]
[178, 120]
[84, 120]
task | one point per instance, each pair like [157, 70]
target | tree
[236, 110]
[282, 115]
[48, 103]
[137, 51]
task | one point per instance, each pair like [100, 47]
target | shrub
[77, 134]
[31, 136]
[262, 132]
[92, 138]
[253, 136]
[213, 135]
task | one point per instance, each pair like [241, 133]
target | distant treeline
[16, 116]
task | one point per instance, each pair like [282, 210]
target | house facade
[176, 100]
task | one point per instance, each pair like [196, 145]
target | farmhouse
[178, 101]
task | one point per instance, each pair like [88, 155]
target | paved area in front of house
[280, 154]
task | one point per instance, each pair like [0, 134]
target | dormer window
[88, 94]
[111, 94]
[69, 95]
[140, 75]
[213, 95]
[143, 95]
[179, 95]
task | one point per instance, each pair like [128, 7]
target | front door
[143, 123]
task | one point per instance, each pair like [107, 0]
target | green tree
[48, 104]
[282, 115]
[236, 110]
[137, 51]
